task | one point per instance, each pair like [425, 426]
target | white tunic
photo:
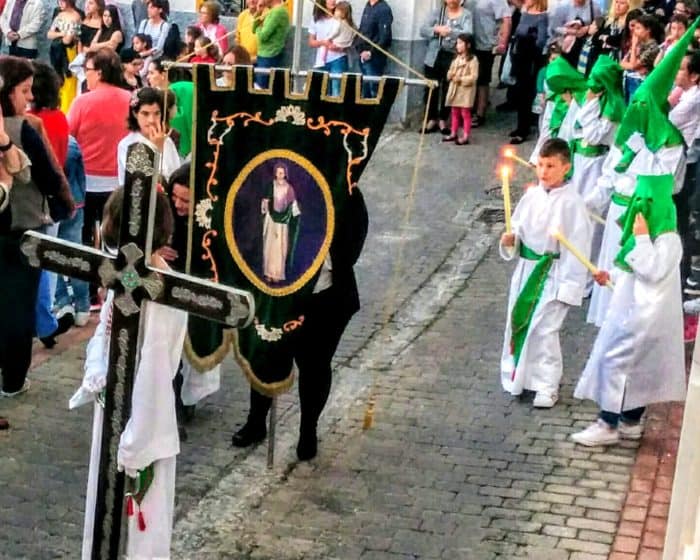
[566, 130]
[638, 357]
[595, 130]
[537, 214]
[666, 160]
[150, 436]
[169, 158]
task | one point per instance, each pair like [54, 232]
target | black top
[87, 34]
[376, 25]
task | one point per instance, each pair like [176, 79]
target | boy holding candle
[638, 357]
[548, 278]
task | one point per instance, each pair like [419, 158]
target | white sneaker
[598, 433]
[630, 431]
[65, 310]
[545, 400]
[23, 389]
[692, 306]
[82, 318]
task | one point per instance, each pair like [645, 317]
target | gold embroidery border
[267, 389]
[312, 170]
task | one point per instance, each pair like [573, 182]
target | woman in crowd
[92, 23]
[157, 76]
[19, 282]
[110, 34]
[527, 55]
[613, 35]
[50, 121]
[64, 33]
[97, 120]
[145, 125]
[131, 69]
[156, 26]
[213, 29]
[640, 57]
[192, 33]
[441, 29]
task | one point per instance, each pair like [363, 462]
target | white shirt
[685, 116]
[32, 19]
[170, 159]
[323, 29]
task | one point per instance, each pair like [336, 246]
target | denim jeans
[337, 66]
[22, 52]
[632, 416]
[632, 83]
[45, 322]
[263, 80]
[71, 230]
[371, 68]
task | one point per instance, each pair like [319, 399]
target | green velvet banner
[273, 171]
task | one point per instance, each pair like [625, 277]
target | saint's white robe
[150, 436]
[537, 214]
[638, 357]
[598, 200]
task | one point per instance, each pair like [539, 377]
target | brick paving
[453, 467]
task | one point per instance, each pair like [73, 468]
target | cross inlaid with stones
[133, 282]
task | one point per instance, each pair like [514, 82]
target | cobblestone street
[452, 469]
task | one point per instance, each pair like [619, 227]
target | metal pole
[271, 431]
[304, 73]
[298, 30]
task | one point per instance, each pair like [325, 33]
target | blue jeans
[263, 80]
[337, 66]
[45, 322]
[632, 83]
[372, 67]
[14, 50]
[71, 230]
[632, 416]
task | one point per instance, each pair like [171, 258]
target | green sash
[620, 199]
[588, 150]
[529, 297]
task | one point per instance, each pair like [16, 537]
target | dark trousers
[315, 346]
[94, 206]
[526, 87]
[685, 202]
[19, 283]
[24, 53]
[438, 72]
[628, 416]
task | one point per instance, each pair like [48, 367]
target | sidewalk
[453, 468]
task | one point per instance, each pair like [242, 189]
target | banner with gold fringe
[273, 171]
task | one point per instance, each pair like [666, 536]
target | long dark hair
[45, 86]
[13, 71]
[112, 219]
[105, 33]
[319, 13]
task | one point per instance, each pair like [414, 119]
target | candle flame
[505, 171]
[509, 152]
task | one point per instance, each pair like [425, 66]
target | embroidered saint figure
[281, 213]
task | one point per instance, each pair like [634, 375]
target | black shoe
[431, 127]
[248, 435]
[48, 341]
[515, 132]
[477, 121]
[188, 413]
[518, 140]
[307, 448]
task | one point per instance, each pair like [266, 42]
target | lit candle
[578, 254]
[505, 176]
[510, 154]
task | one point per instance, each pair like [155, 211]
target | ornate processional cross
[133, 282]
